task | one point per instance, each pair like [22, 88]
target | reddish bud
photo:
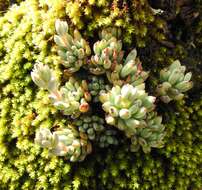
[84, 107]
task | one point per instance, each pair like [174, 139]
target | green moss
[25, 38]
[135, 17]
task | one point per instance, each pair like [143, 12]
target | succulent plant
[44, 77]
[107, 137]
[72, 98]
[150, 135]
[130, 72]
[174, 82]
[97, 84]
[45, 138]
[65, 142]
[126, 107]
[92, 125]
[115, 82]
[73, 50]
[108, 53]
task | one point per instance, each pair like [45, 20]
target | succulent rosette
[174, 82]
[96, 130]
[64, 142]
[150, 136]
[96, 85]
[92, 125]
[72, 99]
[44, 77]
[126, 107]
[131, 72]
[107, 54]
[73, 50]
[107, 137]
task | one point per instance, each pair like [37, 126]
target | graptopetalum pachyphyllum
[113, 81]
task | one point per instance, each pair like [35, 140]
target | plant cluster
[26, 37]
[127, 105]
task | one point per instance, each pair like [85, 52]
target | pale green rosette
[150, 136]
[73, 50]
[66, 142]
[174, 82]
[126, 107]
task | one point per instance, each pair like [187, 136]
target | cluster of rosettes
[104, 81]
